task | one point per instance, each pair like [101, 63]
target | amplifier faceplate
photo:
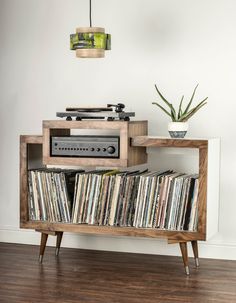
[86, 146]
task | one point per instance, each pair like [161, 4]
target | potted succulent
[179, 125]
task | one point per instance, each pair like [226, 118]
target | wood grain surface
[172, 236]
[114, 230]
[149, 141]
[129, 155]
[110, 277]
[202, 193]
[24, 141]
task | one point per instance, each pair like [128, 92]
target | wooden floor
[107, 277]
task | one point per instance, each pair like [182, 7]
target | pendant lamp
[90, 42]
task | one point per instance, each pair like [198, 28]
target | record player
[111, 112]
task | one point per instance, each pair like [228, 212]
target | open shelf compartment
[129, 155]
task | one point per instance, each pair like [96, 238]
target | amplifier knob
[111, 149]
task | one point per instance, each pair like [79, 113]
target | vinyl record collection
[142, 199]
[51, 194]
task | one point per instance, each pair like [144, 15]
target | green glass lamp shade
[90, 42]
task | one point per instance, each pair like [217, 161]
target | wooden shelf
[134, 153]
[114, 230]
[202, 145]
[145, 141]
[209, 160]
[148, 141]
[25, 143]
[129, 155]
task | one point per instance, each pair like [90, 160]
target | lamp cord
[90, 13]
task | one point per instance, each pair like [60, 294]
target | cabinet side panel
[202, 195]
[47, 133]
[213, 187]
[124, 142]
[46, 145]
[30, 158]
[137, 154]
[23, 181]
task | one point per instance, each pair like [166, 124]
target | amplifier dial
[111, 149]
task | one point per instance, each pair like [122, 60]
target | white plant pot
[177, 129]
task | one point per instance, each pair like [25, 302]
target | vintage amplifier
[85, 146]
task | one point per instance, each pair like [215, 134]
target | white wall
[175, 44]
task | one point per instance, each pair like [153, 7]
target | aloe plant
[180, 115]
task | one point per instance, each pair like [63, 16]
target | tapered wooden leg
[184, 252]
[195, 252]
[43, 243]
[58, 245]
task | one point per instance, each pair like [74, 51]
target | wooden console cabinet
[34, 152]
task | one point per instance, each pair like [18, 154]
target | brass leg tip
[197, 262]
[187, 270]
[57, 251]
[41, 259]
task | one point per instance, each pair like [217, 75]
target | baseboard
[215, 250]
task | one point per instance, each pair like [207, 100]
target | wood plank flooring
[107, 277]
